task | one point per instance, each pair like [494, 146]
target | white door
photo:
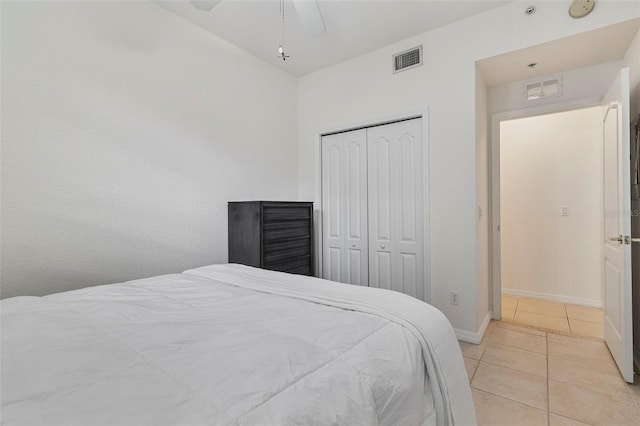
[396, 207]
[344, 201]
[618, 333]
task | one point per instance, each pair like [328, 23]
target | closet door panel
[383, 270]
[409, 274]
[355, 184]
[354, 267]
[344, 196]
[407, 187]
[396, 200]
[334, 154]
[409, 214]
[381, 184]
[332, 234]
[380, 205]
[335, 270]
[355, 199]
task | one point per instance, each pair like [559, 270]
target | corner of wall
[471, 336]
[483, 269]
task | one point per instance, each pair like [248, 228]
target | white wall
[632, 60]
[578, 84]
[547, 162]
[125, 130]
[364, 90]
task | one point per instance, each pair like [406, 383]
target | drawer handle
[382, 246]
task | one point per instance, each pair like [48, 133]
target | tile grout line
[566, 312]
[508, 368]
[513, 347]
[509, 399]
[474, 373]
[511, 368]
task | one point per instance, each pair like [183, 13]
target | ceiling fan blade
[205, 5]
[309, 15]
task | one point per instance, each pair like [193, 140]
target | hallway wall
[548, 162]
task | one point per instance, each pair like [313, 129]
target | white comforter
[229, 344]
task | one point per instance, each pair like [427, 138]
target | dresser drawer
[275, 213]
[290, 264]
[288, 245]
[285, 230]
[272, 256]
[303, 270]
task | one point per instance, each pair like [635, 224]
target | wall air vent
[408, 59]
[545, 88]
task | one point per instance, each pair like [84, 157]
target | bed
[230, 345]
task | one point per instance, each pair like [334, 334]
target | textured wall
[125, 130]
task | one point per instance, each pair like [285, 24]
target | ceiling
[352, 27]
[581, 50]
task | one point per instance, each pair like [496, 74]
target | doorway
[551, 221]
[615, 228]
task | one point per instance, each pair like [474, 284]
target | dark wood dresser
[276, 235]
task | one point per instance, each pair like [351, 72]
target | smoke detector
[581, 8]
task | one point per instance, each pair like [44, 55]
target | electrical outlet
[564, 211]
[453, 297]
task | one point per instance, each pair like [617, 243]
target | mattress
[230, 345]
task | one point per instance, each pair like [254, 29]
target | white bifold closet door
[344, 197]
[396, 207]
[373, 207]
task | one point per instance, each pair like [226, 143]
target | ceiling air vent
[545, 88]
[408, 59]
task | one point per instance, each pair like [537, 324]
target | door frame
[495, 289]
[318, 207]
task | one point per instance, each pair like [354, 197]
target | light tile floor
[551, 316]
[521, 376]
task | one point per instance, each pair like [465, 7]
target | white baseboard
[466, 336]
[554, 297]
[474, 337]
[484, 325]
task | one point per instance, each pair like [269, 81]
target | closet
[373, 218]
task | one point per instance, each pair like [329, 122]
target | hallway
[582, 321]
